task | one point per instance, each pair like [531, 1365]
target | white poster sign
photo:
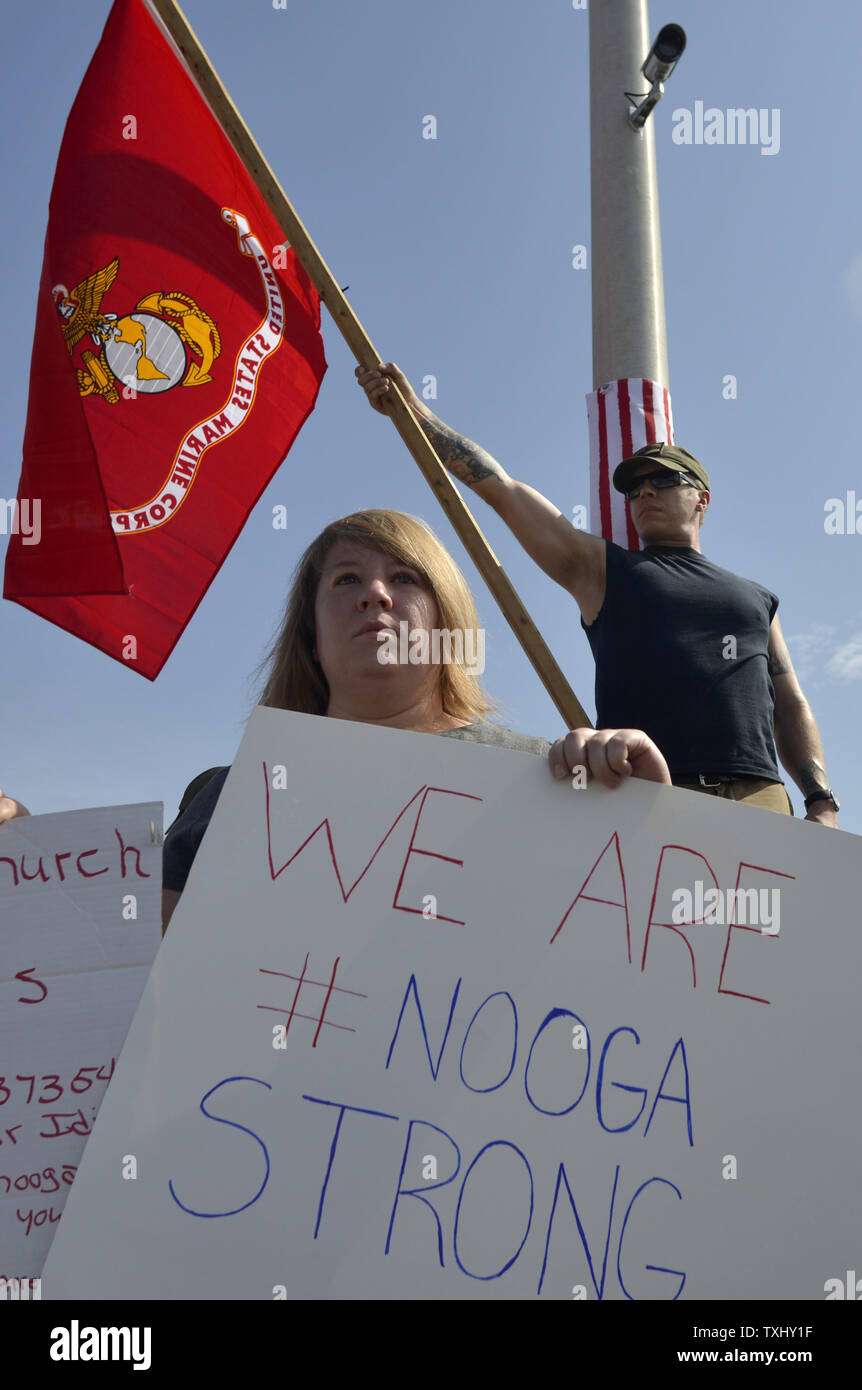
[80, 905]
[430, 1025]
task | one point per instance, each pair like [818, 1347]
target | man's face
[664, 513]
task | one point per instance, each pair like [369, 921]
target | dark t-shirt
[187, 831]
[681, 652]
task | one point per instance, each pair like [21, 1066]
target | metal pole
[629, 330]
[568, 706]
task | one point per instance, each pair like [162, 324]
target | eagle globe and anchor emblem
[166, 340]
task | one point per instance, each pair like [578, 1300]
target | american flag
[623, 416]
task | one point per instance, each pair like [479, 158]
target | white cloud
[808, 650]
[845, 663]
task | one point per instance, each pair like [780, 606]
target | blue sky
[457, 252]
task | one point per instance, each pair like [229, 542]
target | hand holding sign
[9, 808]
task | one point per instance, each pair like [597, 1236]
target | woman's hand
[609, 755]
[9, 809]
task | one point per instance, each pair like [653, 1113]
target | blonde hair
[295, 680]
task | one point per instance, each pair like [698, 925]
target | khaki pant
[755, 791]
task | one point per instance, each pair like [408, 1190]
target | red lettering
[40, 872]
[262, 340]
[615, 841]
[428, 853]
[85, 854]
[142, 521]
[157, 511]
[243, 405]
[194, 443]
[210, 435]
[324, 825]
[78, 1126]
[30, 1219]
[22, 976]
[250, 364]
[738, 926]
[222, 422]
[179, 479]
[122, 519]
[241, 391]
[677, 879]
[252, 348]
[57, 857]
[170, 501]
[5, 860]
[129, 849]
[275, 326]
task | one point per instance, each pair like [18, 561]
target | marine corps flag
[177, 355]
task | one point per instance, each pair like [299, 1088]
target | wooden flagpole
[327, 286]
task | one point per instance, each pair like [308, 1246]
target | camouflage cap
[666, 456]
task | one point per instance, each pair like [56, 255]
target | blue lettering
[496, 1144]
[501, 994]
[557, 1013]
[660, 1269]
[563, 1177]
[419, 1193]
[338, 1106]
[679, 1100]
[411, 985]
[233, 1124]
[638, 1090]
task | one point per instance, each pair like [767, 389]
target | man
[686, 651]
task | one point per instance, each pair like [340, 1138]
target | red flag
[177, 355]
[623, 416]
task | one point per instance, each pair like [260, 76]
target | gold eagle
[86, 300]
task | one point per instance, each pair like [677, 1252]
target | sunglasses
[666, 478]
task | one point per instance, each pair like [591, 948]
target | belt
[716, 779]
[707, 780]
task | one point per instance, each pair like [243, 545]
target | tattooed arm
[796, 735]
[574, 559]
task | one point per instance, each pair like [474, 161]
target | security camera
[658, 66]
[664, 54]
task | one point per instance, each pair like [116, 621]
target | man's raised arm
[573, 558]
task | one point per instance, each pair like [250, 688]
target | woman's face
[363, 592]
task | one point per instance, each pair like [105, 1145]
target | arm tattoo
[811, 777]
[466, 461]
[778, 665]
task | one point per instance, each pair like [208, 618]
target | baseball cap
[666, 456]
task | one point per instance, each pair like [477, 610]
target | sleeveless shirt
[681, 652]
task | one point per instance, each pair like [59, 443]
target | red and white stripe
[623, 416]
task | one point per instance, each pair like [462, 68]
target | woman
[357, 583]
